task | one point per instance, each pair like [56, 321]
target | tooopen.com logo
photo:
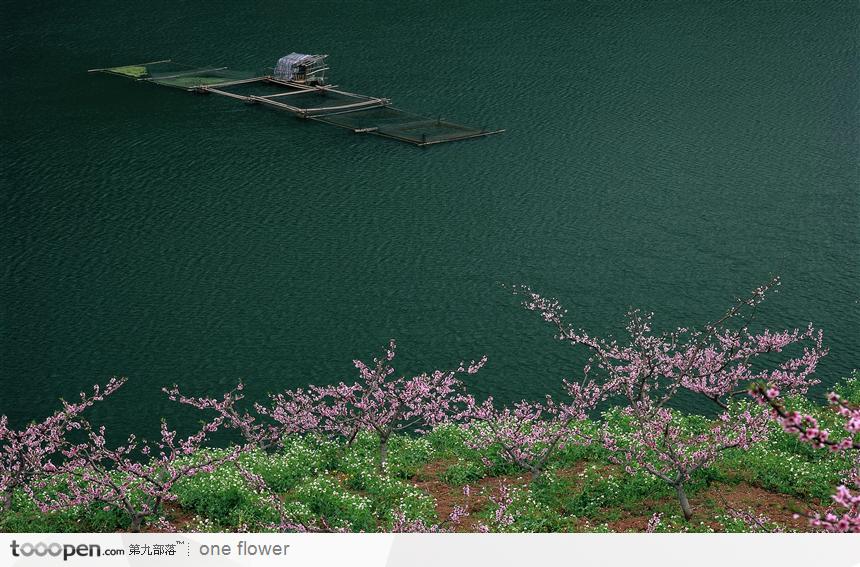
[66, 550]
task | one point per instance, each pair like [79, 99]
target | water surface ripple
[663, 155]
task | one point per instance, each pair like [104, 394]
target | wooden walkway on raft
[417, 130]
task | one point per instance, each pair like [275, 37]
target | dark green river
[663, 155]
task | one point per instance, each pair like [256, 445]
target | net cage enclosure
[297, 85]
[169, 73]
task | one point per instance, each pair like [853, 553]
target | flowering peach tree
[378, 402]
[384, 404]
[529, 433]
[135, 477]
[25, 454]
[646, 372]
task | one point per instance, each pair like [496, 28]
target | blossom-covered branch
[844, 515]
[287, 523]
[502, 516]
[247, 425]
[135, 477]
[25, 454]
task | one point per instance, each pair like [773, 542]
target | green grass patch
[133, 71]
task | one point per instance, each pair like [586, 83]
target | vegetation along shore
[421, 454]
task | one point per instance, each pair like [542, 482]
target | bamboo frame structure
[414, 132]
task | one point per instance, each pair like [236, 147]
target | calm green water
[662, 155]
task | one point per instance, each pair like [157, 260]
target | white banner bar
[426, 550]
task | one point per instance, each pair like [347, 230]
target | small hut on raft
[301, 68]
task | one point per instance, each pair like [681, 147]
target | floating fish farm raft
[297, 85]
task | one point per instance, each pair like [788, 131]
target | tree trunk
[7, 499]
[383, 451]
[136, 521]
[535, 474]
[685, 504]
